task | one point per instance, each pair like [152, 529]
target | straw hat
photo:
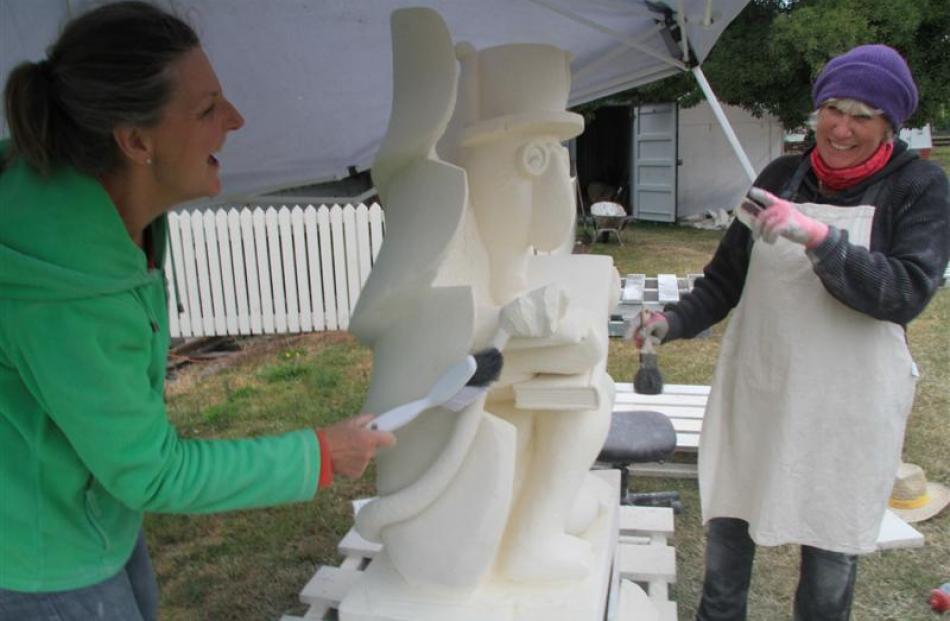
[913, 498]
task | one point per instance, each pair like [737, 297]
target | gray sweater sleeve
[897, 277]
[719, 289]
[892, 280]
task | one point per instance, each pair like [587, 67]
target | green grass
[252, 564]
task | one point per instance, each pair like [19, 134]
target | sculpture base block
[381, 594]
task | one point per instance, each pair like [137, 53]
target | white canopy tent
[313, 77]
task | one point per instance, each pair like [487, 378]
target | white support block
[687, 442]
[667, 610]
[645, 563]
[329, 586]
[646, 520]
[896, 533]
[667, 288]
[659, 590]
[633, 287]
[354, 545]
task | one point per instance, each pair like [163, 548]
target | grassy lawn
[251, 565]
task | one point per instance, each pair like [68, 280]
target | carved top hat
[514, 89]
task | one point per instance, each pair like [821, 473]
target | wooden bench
[685, 405]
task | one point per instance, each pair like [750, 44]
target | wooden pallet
[645, 558]
[637, 291]
[644, 568]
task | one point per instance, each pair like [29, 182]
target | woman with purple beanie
[833, 254]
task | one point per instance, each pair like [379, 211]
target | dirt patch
[243, 352]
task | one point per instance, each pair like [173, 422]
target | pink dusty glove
[781, 217]
[653, 325]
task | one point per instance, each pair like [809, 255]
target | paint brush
[457, 388]
[648, 380]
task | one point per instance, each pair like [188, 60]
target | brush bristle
[648, 380]
[488, 367]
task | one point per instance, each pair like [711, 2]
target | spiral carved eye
[534, 158]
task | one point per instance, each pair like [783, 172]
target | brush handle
[647, 346]
[501, 339]
[399, 416]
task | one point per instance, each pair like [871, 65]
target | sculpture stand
[382, 595]
[635, 567]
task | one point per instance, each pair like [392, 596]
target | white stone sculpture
[477, 505]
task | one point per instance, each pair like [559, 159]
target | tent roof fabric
[314, 79]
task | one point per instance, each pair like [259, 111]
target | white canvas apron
[805, 421]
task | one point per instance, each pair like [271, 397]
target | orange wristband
[326, 462]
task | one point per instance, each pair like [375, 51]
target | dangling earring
[148, 161]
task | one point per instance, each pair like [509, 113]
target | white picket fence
[267, 270]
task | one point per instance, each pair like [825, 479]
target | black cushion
[637, 437]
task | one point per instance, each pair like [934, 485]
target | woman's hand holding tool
[458, 387]
[653, 326]
[352, 444]
[648, 379]
[779, 217]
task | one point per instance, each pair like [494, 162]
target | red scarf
[840, 178]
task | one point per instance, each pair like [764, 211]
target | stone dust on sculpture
[479, 505]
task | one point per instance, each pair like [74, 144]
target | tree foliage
[768, 57]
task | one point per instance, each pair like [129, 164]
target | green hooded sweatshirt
[85, 444]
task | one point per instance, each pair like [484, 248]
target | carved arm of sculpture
[542, 332]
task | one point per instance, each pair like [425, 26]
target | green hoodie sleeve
[87, 362]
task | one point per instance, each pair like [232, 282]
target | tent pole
[723, 122]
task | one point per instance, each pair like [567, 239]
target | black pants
[825, 584]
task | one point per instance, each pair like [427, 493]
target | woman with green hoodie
[120, 123]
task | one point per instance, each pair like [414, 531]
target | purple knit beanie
[873, 74]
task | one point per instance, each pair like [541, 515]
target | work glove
[779, 217]
[653, 325]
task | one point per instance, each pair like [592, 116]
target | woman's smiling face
[192, 129]
[844, 140]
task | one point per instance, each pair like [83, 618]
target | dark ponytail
[30, 124]
[109, 67]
